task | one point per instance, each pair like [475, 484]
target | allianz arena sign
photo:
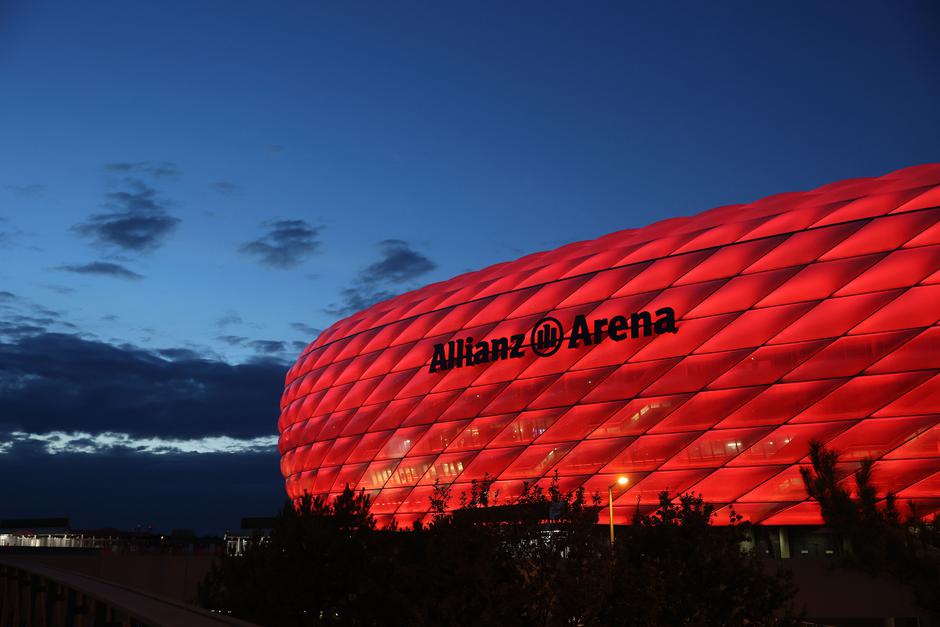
[548, 336]
[700, 353]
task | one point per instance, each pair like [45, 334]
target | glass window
[848, 355]
[648, 452]
[705, 409]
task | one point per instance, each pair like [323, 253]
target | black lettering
[438, 361]
[482, 354]
[599, 324]
[500, 348]
[517, 341]
[617, 328]
[667, 320]
[636, 319]
[463, 352]
[468, 351]
[579, 332]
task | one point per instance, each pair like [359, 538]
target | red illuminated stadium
[700, 353]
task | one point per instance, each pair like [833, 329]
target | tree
[314, 568]
[674, 567]
[541, 560]
[554, 565]
[874, 535]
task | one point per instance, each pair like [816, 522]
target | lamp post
[621, 481]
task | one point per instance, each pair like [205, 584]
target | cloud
[287, 243]
[226, 188]
[306, 329]
[232, 340]
[399, 264]
[58, 289]
[20, 317]
[187, 439]
[25, 191]
[357, 298]
[102, 268]
[268, 347]
[11, 236]
[82, 442]
[179, 354]
[228, 319]
[158, 169]
[136, 221]
[22, 325]
[209, 490]
[268, 351]
[63, 382]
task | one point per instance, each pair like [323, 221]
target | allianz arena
[701, 353]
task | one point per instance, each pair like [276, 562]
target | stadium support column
[784, 535]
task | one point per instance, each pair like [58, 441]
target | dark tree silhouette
[673, 567]
[541, 560]
[873, 535]
[309, 571]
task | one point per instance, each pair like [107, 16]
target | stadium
[699, 353]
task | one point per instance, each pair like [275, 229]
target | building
[701, 353]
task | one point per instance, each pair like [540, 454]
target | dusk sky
[190, 191]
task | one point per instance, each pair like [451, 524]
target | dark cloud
[63, 382]
[137, 219]
[399, 264]
[45, 311]
[158, 169]
[228, 319]
[11, 236]
[25, 191]
[58, 289]
[357, 298]
[298, 346]
[268, 347]
[20, 324]
[265, 350]
[209, 493]
[306, 329]
[233, 340]
[189, 441]
[20, 317]
[287, 244]
[13, 330]
[102, 268]
[179, 354]
[226, 188]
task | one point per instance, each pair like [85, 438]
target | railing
[35, 595]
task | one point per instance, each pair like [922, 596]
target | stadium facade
[701, 353]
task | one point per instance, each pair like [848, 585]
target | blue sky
[194, 186]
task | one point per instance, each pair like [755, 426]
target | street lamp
[621, 481]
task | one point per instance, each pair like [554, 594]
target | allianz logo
[548, 336]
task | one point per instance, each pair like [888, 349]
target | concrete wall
[174, 577]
